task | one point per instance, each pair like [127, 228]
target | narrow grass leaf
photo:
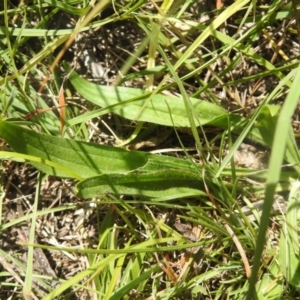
[277, 155]
[122, 292]
[289, 239]
[271, 286]
[237, 5]
[116, 274]
[99, 266]
[257, 133]
[30, 255]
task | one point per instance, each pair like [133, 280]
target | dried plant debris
[103, 52]
[63, 229]
[186, 230]
[99, 55]
[250, 156]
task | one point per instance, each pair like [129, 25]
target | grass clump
[165, 137]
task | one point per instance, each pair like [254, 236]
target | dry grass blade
[205, 93]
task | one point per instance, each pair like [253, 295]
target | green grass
[137, 253]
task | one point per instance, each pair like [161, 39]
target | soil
[99, 55]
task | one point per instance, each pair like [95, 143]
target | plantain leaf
[84, 159]
[133, 104]
[167, 184]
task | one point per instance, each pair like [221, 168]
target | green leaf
[281, 139]
[133, 104]
[289, 239]
[271, 286]
[85, 159]
[19, 157]
[266, 124]
[129, 103]
[163, 184]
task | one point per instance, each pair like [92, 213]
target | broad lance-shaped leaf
[133, 104]
[85, 159]
[168, 184]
